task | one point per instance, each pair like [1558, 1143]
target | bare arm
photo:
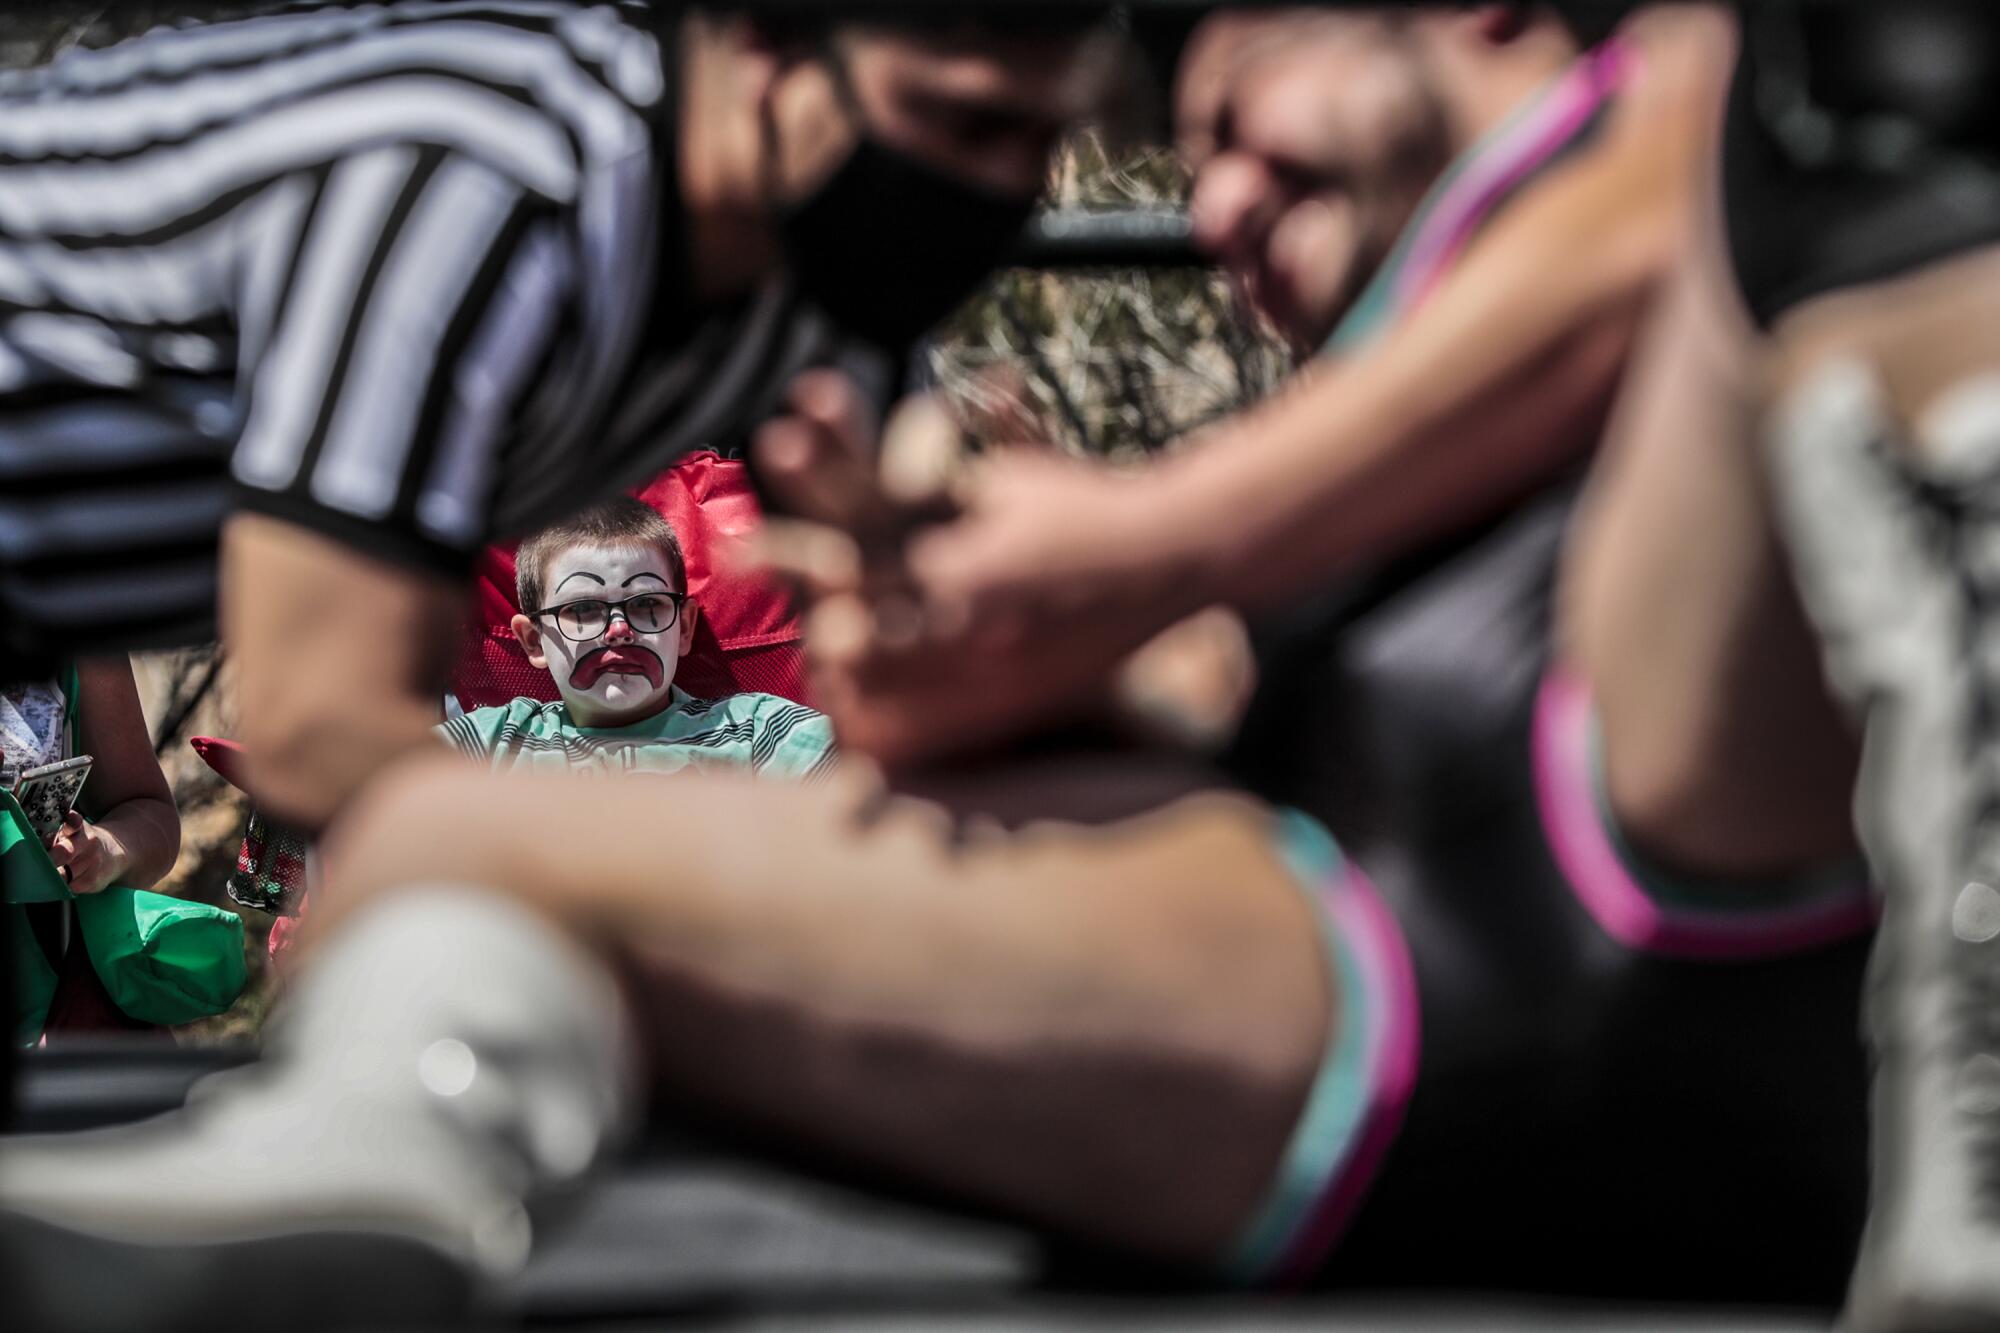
[341, 661]
[134, 831]
[1503, 377]
[1054, 572]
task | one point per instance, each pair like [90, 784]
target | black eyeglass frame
[611, 608]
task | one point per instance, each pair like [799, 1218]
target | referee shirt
[410, 275]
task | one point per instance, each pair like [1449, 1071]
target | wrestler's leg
[1886, 445]
[1724, 753]
[1109, 1031]
[1128, 1035]
[445, 1068]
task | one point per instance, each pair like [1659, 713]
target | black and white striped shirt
[411, 275]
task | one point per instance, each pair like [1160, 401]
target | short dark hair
[622, 521]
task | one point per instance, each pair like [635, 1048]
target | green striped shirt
[761, 732]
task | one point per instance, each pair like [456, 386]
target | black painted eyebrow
[644, 574]
[581, 574]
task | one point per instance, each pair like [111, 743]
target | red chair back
[747, 637]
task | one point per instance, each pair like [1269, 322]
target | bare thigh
[1724, 751]
[1109, 1029]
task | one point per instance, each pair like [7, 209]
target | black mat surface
[677, 1243]
[680, 1237]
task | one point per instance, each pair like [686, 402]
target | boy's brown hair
[617, 522]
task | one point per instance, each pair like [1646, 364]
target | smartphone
[47, 793]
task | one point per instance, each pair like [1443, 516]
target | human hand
[88, 856]
[1046, 542]
[954, 605]
[821, 461]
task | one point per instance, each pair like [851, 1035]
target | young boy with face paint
[606, 613]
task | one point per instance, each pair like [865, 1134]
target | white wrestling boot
[445, 1062]
[1898, 552]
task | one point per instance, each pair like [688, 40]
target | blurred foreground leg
[444, 1059]
[1109, 1031]
[1113, 1032]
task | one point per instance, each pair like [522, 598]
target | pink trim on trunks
[1602, 879]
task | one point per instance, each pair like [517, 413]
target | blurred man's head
[1315, 134]
[886, 164]
[604, 611]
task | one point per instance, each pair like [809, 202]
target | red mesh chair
[271, 863]
[745, 639]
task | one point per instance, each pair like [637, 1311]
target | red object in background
[285, 934]
[224, 756]
[746, 637]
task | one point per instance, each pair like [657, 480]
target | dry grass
[1120, 363]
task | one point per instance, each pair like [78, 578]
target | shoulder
[536, 90]
[544, 99]
[788, 736]
[763, 708]
[483, 730]
[600, 77]
[762, 719]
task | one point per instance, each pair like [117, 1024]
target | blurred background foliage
[1119, 362]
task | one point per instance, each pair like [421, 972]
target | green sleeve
[792, 740]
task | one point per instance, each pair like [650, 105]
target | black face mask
[889, 245]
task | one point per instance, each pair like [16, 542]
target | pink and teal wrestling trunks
[1554, 1067]
[1654, 910]
[1639, 922]
[1356, 1103]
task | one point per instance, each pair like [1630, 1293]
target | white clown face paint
[624, 674]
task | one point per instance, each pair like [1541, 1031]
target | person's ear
[690, 612]
[530, 638]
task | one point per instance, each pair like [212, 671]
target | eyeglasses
[647, 613]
